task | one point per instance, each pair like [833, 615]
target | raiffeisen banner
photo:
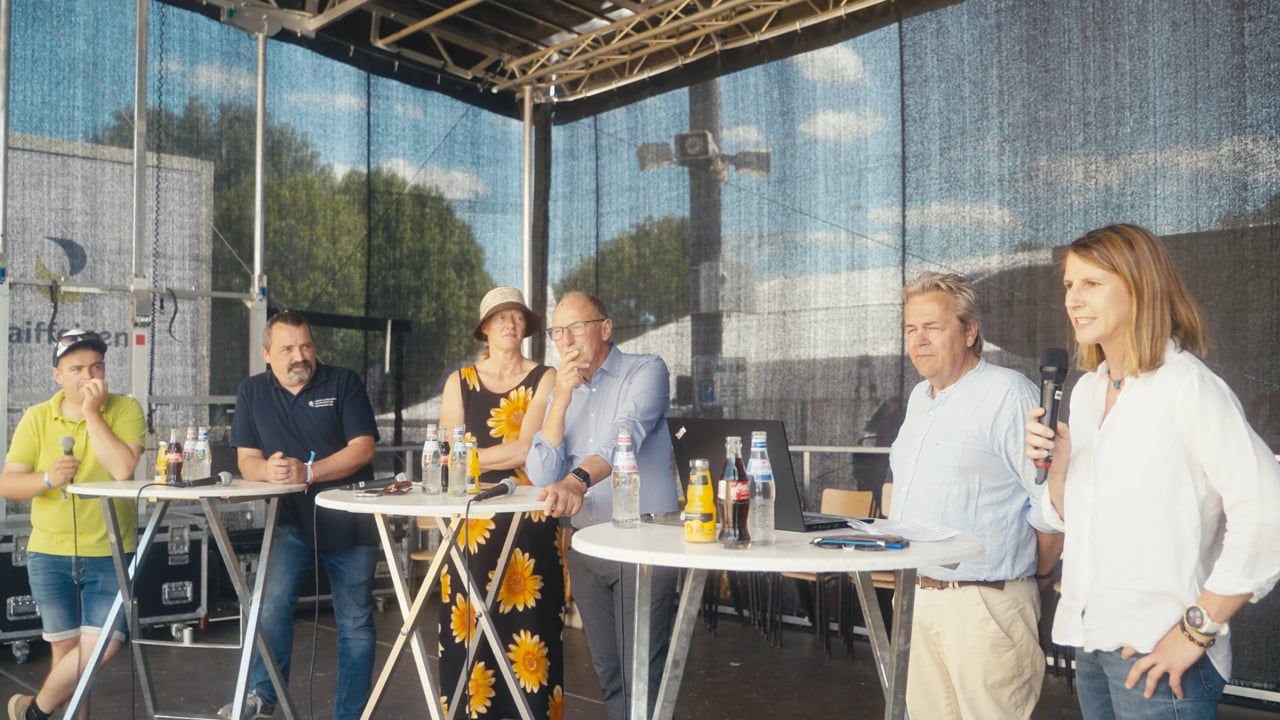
[70, 208]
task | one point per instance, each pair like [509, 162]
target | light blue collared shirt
[959, 461]
[628, 391]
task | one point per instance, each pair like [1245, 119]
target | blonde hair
[964, 299]
[1163, 308]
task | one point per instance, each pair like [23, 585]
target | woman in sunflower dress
[501, 400]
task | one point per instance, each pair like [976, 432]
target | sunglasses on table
[399, 487]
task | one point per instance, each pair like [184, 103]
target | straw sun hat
[504, 298]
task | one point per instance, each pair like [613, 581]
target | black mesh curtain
[383, 202]
[972, 139]
[1028, 125]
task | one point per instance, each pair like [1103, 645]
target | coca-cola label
[741, 491]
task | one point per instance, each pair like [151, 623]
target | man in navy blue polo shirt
[301, 422]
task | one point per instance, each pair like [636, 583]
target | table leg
[891, 653]
[640, 656]
[484, 622]
[409, 627]
[123, 577]
[248, 600]
[904, 601]
[409, 631]
[682, 635]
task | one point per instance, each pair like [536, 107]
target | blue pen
[310, 460]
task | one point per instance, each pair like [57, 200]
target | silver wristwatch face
[1195, 617]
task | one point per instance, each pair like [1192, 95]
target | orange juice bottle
[473, 465]
[700, 504]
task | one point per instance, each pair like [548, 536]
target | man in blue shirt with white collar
[600, 390]
[302, 422]
[959, 461]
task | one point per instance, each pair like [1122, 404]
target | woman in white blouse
[1169, 501]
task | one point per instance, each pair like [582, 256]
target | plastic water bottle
[189, 451]
[761, 473]
[626, 483]
[458, 464]
[201, 460]
[431, 470]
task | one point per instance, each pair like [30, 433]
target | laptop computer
[704, 438]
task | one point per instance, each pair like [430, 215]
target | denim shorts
[74, 604]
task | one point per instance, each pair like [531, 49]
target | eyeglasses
[575, 329]
[75, 336]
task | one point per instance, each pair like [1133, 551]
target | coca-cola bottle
[173, 460]
[735, 497]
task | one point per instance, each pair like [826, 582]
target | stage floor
[734, 674]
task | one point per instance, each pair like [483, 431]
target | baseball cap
[76, 339]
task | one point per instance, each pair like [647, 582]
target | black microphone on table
[505, 486]
[224, 478]
[1053, 373]
[68, 444]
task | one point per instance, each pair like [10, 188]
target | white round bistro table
[442, 507]
[208, 496]
[658, 545]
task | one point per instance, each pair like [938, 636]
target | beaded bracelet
[1186, 633]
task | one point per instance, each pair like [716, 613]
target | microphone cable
[133, 583]
[471, 628]
[75, 583]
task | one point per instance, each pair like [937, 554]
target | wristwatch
[1197, 618]
[582, 475]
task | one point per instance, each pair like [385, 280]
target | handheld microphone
[68, 444]
[224, 478]
[505, 486]
[1053, 373]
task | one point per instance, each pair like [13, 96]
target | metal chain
[156, 299]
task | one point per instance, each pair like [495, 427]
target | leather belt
[930, 583]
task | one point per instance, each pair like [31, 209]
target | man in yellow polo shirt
[69, 558]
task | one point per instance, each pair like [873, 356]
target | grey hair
[284, 317]
[964, 298]
[596, 303]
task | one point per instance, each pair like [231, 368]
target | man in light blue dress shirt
[959, 461]
[599, 391]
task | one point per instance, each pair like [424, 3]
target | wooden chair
[852, 503]
[884, 580]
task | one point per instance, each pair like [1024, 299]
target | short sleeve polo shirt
[323, 417]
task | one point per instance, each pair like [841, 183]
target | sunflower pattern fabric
[529, 607]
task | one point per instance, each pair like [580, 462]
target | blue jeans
[74, 594]
[350, 573]
[1100, 681]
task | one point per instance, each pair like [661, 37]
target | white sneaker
[255, 708]
[18, 706]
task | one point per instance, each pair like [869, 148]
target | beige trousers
[975, 653]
